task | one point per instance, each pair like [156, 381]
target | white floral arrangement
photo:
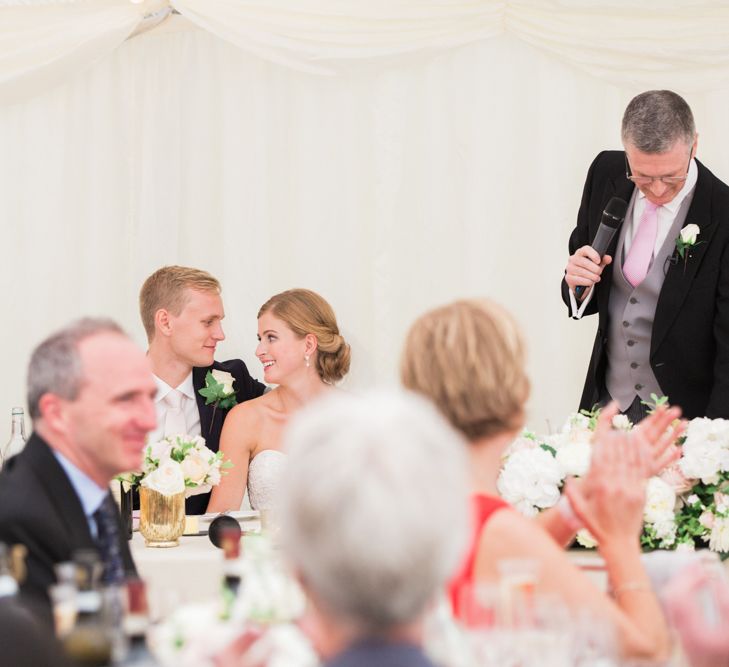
[176, 464]
[268, 604]
[687, 505]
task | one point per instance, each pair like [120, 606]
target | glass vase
[161, 518]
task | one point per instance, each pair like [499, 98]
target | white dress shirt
[666, 215]
[189, 407]
[89, 492]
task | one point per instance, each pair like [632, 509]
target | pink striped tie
[639, 256]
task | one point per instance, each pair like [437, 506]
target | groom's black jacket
[211, 418]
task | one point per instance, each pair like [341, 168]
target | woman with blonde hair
[304, 355]
[468, 358]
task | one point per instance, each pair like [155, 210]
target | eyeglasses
[648, 180]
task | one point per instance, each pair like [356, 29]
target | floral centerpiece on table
[687, 504]
[178, 463]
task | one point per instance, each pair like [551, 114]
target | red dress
[460, 586]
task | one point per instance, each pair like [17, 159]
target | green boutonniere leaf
[214, 393]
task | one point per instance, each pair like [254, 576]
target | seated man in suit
[182, 313]
[371, 560]
[91, 399]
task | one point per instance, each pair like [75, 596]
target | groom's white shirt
[189, 407]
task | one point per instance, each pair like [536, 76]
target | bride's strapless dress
[264, 473]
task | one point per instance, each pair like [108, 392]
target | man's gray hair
[55, 364]
[374, 508]
[655, 120]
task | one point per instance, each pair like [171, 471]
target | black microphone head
[614, 212]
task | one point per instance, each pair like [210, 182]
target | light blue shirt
[88, 491]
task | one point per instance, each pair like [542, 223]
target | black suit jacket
[211, 418]
[40, 509]
[690, 339]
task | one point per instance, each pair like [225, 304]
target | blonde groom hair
[165, 288]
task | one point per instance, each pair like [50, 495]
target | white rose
[689, 233]
[585, 539]
[168, 479]
[195, 467]
[226, 379]
[693, 498]
[519, 444]
[719, 540]
[530, 480]
[622, 423]
[160, 449]
[660, 501]
[685, 547]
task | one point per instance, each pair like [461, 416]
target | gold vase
[161, 518]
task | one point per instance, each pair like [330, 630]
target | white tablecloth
[191, 572]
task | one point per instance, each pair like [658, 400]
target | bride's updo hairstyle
[305, 312]
[468, 359]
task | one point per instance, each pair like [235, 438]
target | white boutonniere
[687, 240]
[218, 391]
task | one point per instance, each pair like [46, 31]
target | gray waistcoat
[630, 323]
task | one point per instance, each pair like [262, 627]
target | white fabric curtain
[655, 43]
[394, 183]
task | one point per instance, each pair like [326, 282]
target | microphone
[612, 218]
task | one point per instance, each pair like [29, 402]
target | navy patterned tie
[107, 540]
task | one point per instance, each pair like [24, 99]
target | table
[191, 572]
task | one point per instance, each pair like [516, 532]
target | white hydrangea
[706, 449]
[530, 480]
[660, 501]
[719, 540]
[574, 458]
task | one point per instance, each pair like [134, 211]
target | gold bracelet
[633, 586]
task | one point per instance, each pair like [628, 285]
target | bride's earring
[306, 359]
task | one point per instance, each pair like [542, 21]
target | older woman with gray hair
[363, 526]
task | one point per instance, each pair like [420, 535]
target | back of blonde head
[468, 358]
[305, 312]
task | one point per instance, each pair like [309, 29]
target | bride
[303, 354]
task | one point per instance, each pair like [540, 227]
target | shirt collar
[688, 186]
[185, 387]
[88, 491]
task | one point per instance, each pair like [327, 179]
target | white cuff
[576, 313]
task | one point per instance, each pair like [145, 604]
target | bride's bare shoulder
[247, 413]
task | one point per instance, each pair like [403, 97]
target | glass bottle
[89, 642]
[17, 435]
[136, 618]
[230, 542]
[8, 583]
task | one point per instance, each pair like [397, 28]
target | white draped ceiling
[391, 154]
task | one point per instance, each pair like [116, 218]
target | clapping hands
[609, 500]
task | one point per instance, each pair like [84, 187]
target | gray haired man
[662, 289]
[91, 398]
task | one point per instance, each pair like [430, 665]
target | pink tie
[639, 256]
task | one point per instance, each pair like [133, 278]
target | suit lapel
[681, 273]
[60, 492]
[623, 188]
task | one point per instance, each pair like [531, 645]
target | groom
[182, 313]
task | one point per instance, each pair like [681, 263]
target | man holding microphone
[661, 288]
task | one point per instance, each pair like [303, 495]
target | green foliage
[214, 393]
[549, 449]
[655, 402]
[592, 416]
